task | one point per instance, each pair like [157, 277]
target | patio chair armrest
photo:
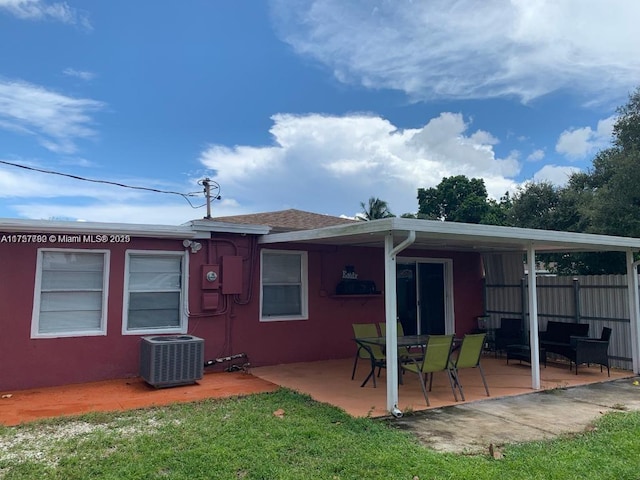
[412, 367]
[573, 339]
[592, 343]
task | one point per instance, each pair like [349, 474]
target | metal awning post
[391, 315]
[533, 319]
[634, 313]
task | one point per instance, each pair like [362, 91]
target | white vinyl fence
[599, 300]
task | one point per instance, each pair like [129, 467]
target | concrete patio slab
[504, 380]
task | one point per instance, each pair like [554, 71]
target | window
[155, 289]
[283, 285]
[70, 297]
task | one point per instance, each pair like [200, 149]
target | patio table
[404, 341]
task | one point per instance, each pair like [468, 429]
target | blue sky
[309, 104]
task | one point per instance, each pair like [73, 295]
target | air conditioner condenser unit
[171, 360]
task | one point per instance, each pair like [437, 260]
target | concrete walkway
[472, 427]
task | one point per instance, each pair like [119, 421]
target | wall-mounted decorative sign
[349, 273]
[350, 285]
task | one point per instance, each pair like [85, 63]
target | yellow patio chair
[436, 359]
[469, 356]
[373, 353]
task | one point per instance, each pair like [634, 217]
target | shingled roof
[287, 220]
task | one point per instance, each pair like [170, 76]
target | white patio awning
[395, 234]
[435, 235]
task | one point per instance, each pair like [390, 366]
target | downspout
[533, 319]
[634, 311]
[391, 315]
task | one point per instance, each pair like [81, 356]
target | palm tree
[376, 209]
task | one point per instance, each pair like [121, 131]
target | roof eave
[194, 229]
[490, 235]
[228, 227]
[94, 228]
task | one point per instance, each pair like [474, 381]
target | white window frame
[304, 285]
[35, 316]
[184, 293]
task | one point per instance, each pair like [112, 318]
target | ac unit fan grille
[171, 360]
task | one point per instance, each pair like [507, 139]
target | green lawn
[243, 439]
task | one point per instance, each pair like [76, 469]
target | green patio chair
[383, 329]
[436, 359]
[469, 356]
[373, 353]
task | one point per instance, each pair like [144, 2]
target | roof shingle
[287, 220]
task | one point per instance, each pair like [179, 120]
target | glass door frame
[449, 314]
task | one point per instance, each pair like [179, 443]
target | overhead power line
[117, 184]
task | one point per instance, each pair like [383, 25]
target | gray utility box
[171, 360]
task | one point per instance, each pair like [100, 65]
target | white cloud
[42, 10]
[21, 183]
[470, 49]
[57, 121]
[332, 163]
[36, 195]
[81, 74]
[579, 142]
[160, 213]
[77, 161]
[557, 175]
[536, 156]
[130, 208]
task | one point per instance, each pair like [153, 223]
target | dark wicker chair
[509, 333]
[591, 350]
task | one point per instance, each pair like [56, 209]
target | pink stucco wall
[328, 332]
[233, 328]
[26, 362]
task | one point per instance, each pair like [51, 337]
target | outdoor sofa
[557, 337]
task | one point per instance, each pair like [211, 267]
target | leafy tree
[603, 200]
[540, 205]
[616, 204]
[534, 206]
[606, 199]
[454, 199]
[586, 263]
[498, 213]
[544, 205]
[615, 176]
[374, 210]
[626, 130]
